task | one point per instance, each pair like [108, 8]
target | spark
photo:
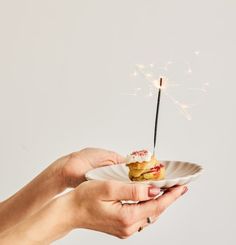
[130, 94]
[148, 75]
[134, 92]
[183, 108]
[203, 88]
[156, 83]
[190, 70]
[152, 76]
[140, 66]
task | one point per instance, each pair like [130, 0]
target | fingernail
[184, 190]
[153, 191]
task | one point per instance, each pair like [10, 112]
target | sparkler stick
[157, 113]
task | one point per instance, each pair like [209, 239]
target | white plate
[177, 173]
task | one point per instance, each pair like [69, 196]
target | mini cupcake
[144, 166]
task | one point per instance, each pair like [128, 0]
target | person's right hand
[97, 206]
[93, 205]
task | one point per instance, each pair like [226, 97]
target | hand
[97, 206]
[93, 205]
[75, 165]
[67, 171]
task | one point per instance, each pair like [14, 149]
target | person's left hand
[75, 165]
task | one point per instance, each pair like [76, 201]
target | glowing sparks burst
[151, 73]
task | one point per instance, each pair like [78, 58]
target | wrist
[52, 222]
[59, 170]
[77, 212]
[72, 170]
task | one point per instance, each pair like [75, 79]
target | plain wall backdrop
[64, 73]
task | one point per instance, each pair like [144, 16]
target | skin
[31, 216]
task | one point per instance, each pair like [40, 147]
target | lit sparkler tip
[140, 66]
[156, 83]
[148, 75]
[190, 71]
[184, 106]
[161, 82]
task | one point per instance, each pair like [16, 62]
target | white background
[64, 73]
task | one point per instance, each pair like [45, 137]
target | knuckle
[74, 155]
[112, 156]
[122, 237]
[87, 149]
[128, 216]
[112, 153]
[125, 233]
[116, 157]
[124, 220]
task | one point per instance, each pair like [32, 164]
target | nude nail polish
[153, 191]
[184, 190]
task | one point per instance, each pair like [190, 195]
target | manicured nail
[153, 191]
[184, 190]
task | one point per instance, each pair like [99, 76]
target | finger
[116, 158]
[159, 205]
[170, 197]
[101, 156]
[107, 157]
[141, 224]
[116, 190]
[145, 222]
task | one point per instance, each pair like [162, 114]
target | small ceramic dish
[177, 173]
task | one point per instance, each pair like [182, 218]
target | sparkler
[157, 113]
[158, 83]
[151, 73]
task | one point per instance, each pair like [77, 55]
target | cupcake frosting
[139, 156]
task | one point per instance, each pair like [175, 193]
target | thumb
[116, 191]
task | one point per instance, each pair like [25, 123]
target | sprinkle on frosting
[139, 156]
